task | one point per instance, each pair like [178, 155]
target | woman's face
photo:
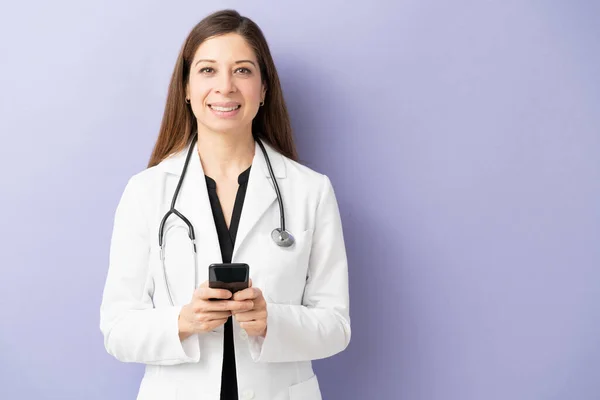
[225, 87]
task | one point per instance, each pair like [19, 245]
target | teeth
[224, 109]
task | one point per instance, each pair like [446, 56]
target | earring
[187, 101]
[262, 103]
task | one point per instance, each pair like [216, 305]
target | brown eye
[206, 70]
[244, 71]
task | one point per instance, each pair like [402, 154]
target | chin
[226, 127]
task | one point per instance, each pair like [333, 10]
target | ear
[263, 91]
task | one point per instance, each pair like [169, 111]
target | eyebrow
[237, 62]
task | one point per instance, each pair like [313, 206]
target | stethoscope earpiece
[282, 238]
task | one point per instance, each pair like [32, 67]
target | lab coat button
[248, 394]
[244, 334]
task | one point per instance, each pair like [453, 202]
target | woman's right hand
[204, 315]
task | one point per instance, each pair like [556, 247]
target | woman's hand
[254, 320]
[203, 315]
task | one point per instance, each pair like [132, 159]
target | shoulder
[150, 177]
[317, 184]
[312, 190]
[142, 180]
[142, 189]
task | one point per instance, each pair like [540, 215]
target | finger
[249, 286]
[239, 306]
[223, 305]
[250, 293]
[242, 294]
[206, 293]
[250, 315]
[254, 328]
[209, 325]
[200, 289]
[211, 315]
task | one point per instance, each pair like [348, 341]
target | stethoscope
[280, 236]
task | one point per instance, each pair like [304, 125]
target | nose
[225, 84]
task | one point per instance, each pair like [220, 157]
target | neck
[225, 155]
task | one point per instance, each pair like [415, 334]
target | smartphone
[231, 276]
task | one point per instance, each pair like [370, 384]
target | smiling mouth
[224, 109]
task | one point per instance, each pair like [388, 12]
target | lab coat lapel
[193, 202]
[260, 193]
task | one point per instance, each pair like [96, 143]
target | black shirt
[229, 389]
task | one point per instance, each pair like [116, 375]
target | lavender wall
[463, 141]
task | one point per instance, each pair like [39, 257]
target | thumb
[203, 285]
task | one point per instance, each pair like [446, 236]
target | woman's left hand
[253, 321]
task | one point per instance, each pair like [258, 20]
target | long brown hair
[178, 127]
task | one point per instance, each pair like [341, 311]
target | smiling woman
[223, 172]
[217, 70]
[225, 62]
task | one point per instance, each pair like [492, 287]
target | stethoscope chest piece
[282, 238]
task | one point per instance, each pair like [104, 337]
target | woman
[224, 107]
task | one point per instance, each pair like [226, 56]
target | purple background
[463, 141]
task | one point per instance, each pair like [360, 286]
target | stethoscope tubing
[280, 236]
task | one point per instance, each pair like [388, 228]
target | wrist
[183, 327]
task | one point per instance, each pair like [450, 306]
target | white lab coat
[305, 286]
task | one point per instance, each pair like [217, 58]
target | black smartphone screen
[230, 276]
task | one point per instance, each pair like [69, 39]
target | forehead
[224, 48]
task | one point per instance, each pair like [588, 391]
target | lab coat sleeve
[320, 326]
[135, 331]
